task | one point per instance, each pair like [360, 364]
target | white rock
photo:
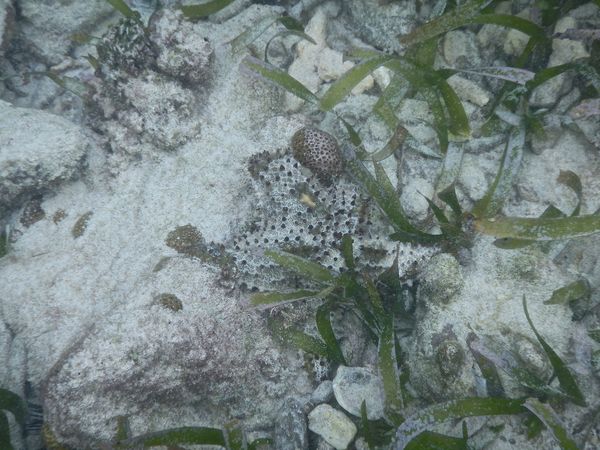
[304, 67]
[413, 198]
[441, 279]
[331, 64]
[494, 34]
[472, 179]
[460, 49]
[382, 76]
[182, 51]
[316, 28]
[563, 51]
[365, 84]
[305, 72]
[323, 393]
[47, 26]
[38, 151]
[469, 90]
[332, 425]
[564, 23]
[515, 42]
[352, 385]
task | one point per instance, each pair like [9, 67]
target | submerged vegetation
[377, 300]
[509, 113]
[12, 403]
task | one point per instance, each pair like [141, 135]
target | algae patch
[170, 301]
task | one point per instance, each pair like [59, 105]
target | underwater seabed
[299, 225]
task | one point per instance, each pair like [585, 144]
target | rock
[531, 355]
[547, 139]
[48, 26]
[7, 24]
[441, 279]
[472, 179]
[144, 362]
[291, 432]
[323, 393]
[564, 23]
[353, 385]
[331, 64]
[450, 358]
[319, 63]
[382, 76]
[587, 11]
[469, 90]
[12, 376]
[380, 24]
[303, 68]
[515, 42]
[582, 256]
[563, 51]
[150, 109]
[595, 362]
[487, 304]
[332, 425]
[182, 51]
[494, 35]
[323, 445]
[38, 151]
[460, 49]
[537, 179]
[125, 50]
[413, 198]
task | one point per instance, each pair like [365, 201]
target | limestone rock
[353, 385]
[38, 151]
[515, 42]
[323, 393]
[460, 49]
[413, 198]
[319, 63]
[332, 425]
[182, 51]
[563, 51]
[303, 68]
[148, 109]
[48, 26]
[380, 24]
[441, 279]
[143, 362]
[469, 90]
[7, 18]
[291, 431]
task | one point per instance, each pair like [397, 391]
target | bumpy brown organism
[170, 301]
[187, 240]
[318, 151]
[32, 213]
[81, 224]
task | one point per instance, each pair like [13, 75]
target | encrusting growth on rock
[318, 151]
